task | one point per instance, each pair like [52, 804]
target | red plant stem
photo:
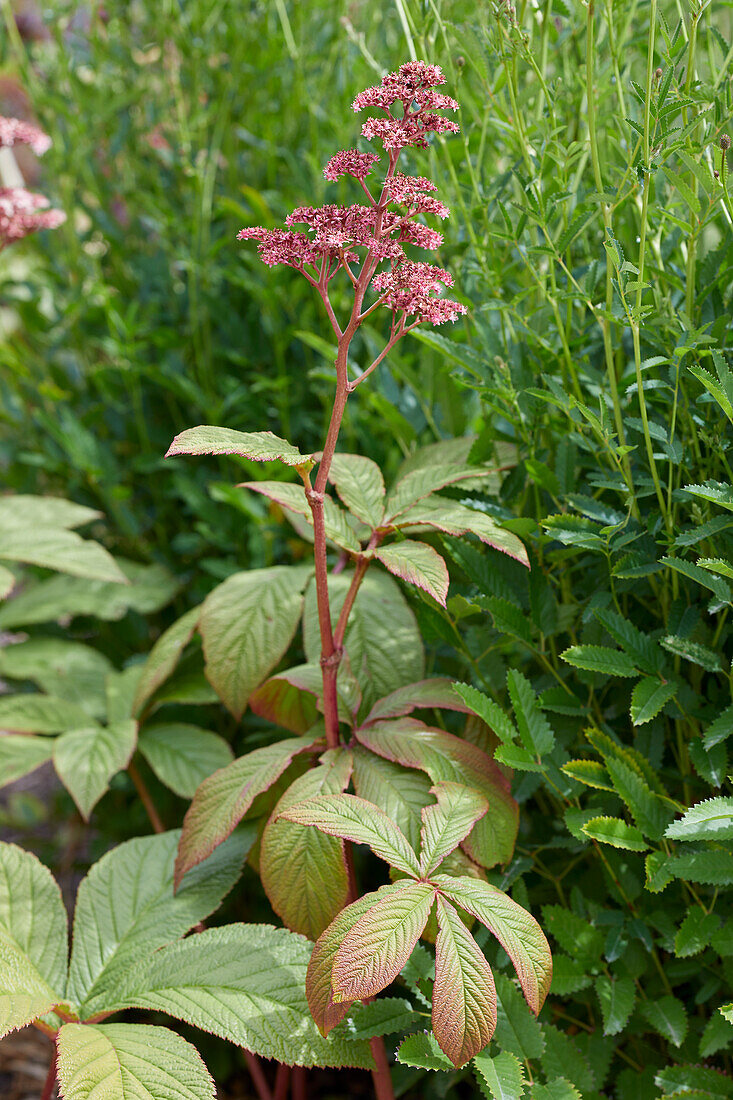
[49, 1086]
[381, 1076]
[299, 1083]
[362, 564]
[258, 1078]
[145, 798]
[282, 1080]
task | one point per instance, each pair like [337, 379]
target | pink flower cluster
[413, 86]
[15, 132]
[350, 162]
[413, 289]
[23, 212]
[410, 191]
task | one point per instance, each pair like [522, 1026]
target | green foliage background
[176, 124]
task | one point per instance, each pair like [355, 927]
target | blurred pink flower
[14, 131]
[23, 212]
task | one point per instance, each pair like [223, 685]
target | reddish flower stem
[49, 1086]
[381, 1076]
[282, 1080]
[258, 1078]
[145, 798]
[299, 1083]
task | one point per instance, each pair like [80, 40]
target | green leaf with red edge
[87, 759]
[421, 482]
[208, 439]
[247, 624]
[292, 698]
[21, 754]
[325, 1011]
[164, 657]
[374, 951]
[448, 821]
[223, 799]
[24, 994]
[360, 485]
[418, 564]
[438, 693]
[464, 995]
[516, 930]
[302, 870]
[355, 819]
[293, 498]
[453, 518]
[400, 792]
[445, 757]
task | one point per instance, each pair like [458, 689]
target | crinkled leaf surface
[708, 820]
[293, 499]
[208, 439]
[32, 913]
[223, 799]
[245, 983]
[164, 657]
[502, 1075]
[400, 792]
[454, 518]
[422, 1051]
[464, 995]
[438, 692]
[420, 482]
[448, 821]
[86, 760]
[418, 564]
[129, 1062]
[516, 930]
[126, 908]
[24, 995]
[303, 871]
[68, 670]
[182, 756]
[359, 482]
[247, 624]
[31, 713]
[59, 549]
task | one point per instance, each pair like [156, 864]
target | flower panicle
[23, 212]
[14, 131]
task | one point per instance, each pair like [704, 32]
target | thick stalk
[49, 1086]
[258, 1078]
[282, 1083]
[145, 798]
[299, 1083]
[381, 1076]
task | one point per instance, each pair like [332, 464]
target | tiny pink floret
[13, 131]
[350, 162]
[23, 212]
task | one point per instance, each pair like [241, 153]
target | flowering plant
[23, 212]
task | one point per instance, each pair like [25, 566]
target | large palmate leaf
[445, 757]
[708, 820]
[40, 714]
[516, 930]
[247, 624]
[293, 499]
[126, 908]
[182, 756]
[454, 518]
[380, 660]
[208, 439]
[438, 692]
[374, 951]
[20, 755]
[223, 799]
[59, 549]
[359, 482]
[418, 564]
[354, 819]
[23, 510]
[400, 792]
[68, 670]
[244, 983]
[464, 995]
[303, 871]
[129, 1062]
[32, 914]
[448, 822]
[86, 760]
[164, 657]
[24, 995]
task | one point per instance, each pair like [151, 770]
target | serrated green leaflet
[617, 997]
[558, 1089]
[695, 933]
[614, 831]
[385, 1016]
[418, 564]
[489, 711]
[649, 697]
[24, 995]
[126, 908]
[502, 1075]
[400, 792]
[359, 482]
[182, 756]
[87, 759]
[517, 1031]
[534, 729]
[21, 754]
[354, 819]
[423, 481]
[667, 1016]
[164, 657]
[695, 652]
[293, 499]
[223, 799]
[247, 624]
[464, 995]
[449, 821]
[129, 1062]
[590, 772]
[456, 519]
[422, 1052]
[303, 871]
[599, 658]
[32, 914]
[719, 729]
[708, 820]
[208, 439]
[67, 670]
[679, 1080]
[244, 983]
[713, 867]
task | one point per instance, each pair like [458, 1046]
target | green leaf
[708, 820]
[692, 651]
[446, 823]
[681, 1080]
[24, 995]
[508, 618]
[581, 939]
[126, 908]
[464, 996]
[182, 756]
[223, 799]
[713, 867]
[418, 564]
[502, 1075]
[568, 976]
[247, 624]
[590, 772]
[164, 657]
[638, 645]
[26, 511]
[453, 518]
[614, 831]
[488, 711]
[7, 582]
[695, 933]
[719, 729]
[648, 698]
[293, 499]
[359, 482]
[244, 983]
[374, 951]
[534, 729]
[40, 714]
[422, 1052]
[207, 439]
[302, 870]
[617, 997]
[64, 551]
[381, 660]
[559, 1089]
[599, 658]
[517, 1031]
[716, 491]
[668, 1018]
[716, 1035]
[713, 386]
[129, 1062]
[87, 759]
[445, 757]
[68, 670]
[438, 692]
[516, 930]
[400, 792]
[386, 1016]
[20, 755]
[119, 690]
[650, 812]
[32, 914]
[423, 481]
